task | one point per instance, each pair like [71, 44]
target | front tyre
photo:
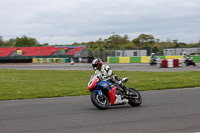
[101, 102]
[135, 100]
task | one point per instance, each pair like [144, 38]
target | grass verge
[25, 84]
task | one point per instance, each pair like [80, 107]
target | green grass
[24, 84]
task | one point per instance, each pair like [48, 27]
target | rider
[154, 57]
[184, 54]
[106, 73]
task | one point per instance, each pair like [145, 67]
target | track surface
[85, 66]
[165, 111]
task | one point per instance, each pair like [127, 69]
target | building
[122, 53]
[179, 51]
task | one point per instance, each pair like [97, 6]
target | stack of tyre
[170, 63]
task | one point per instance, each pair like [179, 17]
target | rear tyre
[135, 100]
[99, 102]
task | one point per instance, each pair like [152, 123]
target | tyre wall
[170, 63]
[50, 60]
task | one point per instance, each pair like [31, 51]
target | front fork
[123, 89]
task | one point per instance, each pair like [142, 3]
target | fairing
[112, 95]
[103, 84]
[106, 86]
[92, 84]
[110, 88]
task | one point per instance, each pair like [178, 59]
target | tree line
[143, 41]
[21, 42]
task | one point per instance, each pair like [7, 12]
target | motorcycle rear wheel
[99, 102]
[136, 100]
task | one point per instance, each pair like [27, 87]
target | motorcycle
[153, 61]
[106, 93]
[189, 61]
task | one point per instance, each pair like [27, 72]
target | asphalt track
[163, 111]
[86, 66]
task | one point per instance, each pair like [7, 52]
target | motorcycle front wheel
[101, 102]
[135, 100]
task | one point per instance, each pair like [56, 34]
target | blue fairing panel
[98, 91]
[103, 84]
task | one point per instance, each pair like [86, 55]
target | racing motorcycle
[154, 60]
[189, 61]
[107, 93]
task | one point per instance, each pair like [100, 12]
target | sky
[69, 21]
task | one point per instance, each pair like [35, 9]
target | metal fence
[103, 54]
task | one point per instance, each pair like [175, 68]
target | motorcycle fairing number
[91, 84]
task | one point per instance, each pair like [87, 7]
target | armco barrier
[37, 60]
[41, 60]
[174, 57]
[113, 59]
[60, 60]
[55, 60]
[108, 59]
[170, 63]
[66, 60]
[161, 57]
[47, 60]
[124, 59]
[135, 59]
[196, 58]
[34, 60]
[44, 60]
[145, 59]
[50, 60]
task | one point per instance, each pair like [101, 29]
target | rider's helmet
[152, 55]
[96, 64]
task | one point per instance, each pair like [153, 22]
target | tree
[45, 44]
[10, 43]
[25, 41]
[145, 41]
[198, 43]
[129, 46]
[151, 41]
[125, 39]
[136, 41]
[115, 39]
[1, 41]
[175, 43]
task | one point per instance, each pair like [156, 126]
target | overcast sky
[69, 21]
